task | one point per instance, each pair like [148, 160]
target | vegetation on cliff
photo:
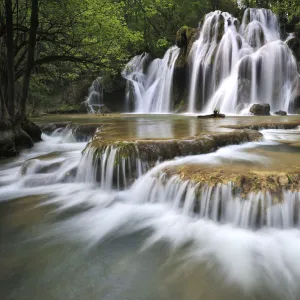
[48, 47]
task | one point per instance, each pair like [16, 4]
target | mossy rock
[152, 150]
[184, 36]
[7, 143]
[22, 140]
[33, 130]
[242, 182]
[265, 125]
[294, 45]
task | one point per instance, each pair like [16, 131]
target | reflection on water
[158, 126]
[148, 128]
[66, 240]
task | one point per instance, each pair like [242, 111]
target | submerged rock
[260, 109]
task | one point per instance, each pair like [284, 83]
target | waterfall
[233, 66]
[221, 204]
[94, 102]
[113, 166]
[150, 87]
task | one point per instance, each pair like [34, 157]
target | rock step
[164, 149]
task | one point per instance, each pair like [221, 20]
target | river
[66, 239]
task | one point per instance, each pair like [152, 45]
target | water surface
[62, 239]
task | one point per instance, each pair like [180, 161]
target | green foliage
[79, 39]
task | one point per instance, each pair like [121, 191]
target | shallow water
[61, 239]
[138, 126]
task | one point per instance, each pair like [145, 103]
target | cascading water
[126, 233]
[111, 166]
[219, 204]
[150, 88]
[234, 66]
[94, 102]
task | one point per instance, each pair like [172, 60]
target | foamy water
[248, 263]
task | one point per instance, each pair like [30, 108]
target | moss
[265, 125]
[220, 28]
[163, 149]
[243, 182]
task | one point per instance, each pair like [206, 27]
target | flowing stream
[66, 234]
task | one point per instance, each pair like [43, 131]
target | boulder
[33, 130]
[280, 113]
[7, 143]
[22, 140]
[260, 109]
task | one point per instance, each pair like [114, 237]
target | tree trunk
[3, 109]
[34, 23]
[10, 100]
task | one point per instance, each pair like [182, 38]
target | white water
[250, 64]
[232, 66]
[94, 102]
[150, 87]
[262, 263]
[110, 168]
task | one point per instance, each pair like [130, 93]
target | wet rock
[231, 138]
[33, 130]
[153, 150]
[260, 109]
[184, 36]
[22, 140]
[294, 45]
[51, 127]
[7, 143]
[242, 181]
[84, 132]
[280, 113]
[270, 125]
